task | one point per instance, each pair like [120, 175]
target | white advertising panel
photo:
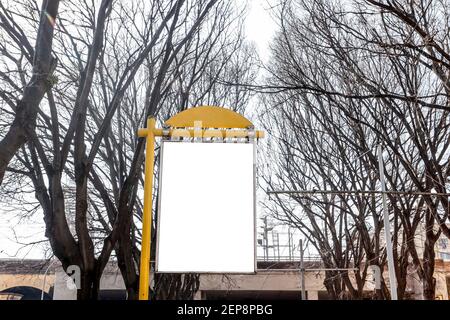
[206, 219]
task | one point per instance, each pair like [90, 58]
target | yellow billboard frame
[203, 121]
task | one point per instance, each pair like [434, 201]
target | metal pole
[302, 271]
[45, 278]
[306, 269]
[266, 238]
[387, 228]
[362, 192]
[278, 246]
[144, 274]
[290, 247]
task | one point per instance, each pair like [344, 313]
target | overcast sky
[260, 28]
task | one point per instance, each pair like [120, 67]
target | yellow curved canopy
[210, 116]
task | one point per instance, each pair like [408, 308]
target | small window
[443, 243]
[10, 296]
[445, 255]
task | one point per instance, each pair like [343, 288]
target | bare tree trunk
[27, 108]
[429, 281]
[175, 286]
[90, 285]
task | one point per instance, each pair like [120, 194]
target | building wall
[442, 273]
[290, 281]
[29, 280]
[111, 280]
[272, 280]
[262, 281]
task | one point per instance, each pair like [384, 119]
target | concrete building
[25, 279]
[275, 280]
[112, 286]
[278, 277]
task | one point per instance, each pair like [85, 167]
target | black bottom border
[131, 310]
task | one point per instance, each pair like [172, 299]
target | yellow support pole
[210, 117]
[144, 274]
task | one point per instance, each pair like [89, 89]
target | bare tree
[347, 77]
[119, 63]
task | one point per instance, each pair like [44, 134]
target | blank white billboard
[206, 219]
